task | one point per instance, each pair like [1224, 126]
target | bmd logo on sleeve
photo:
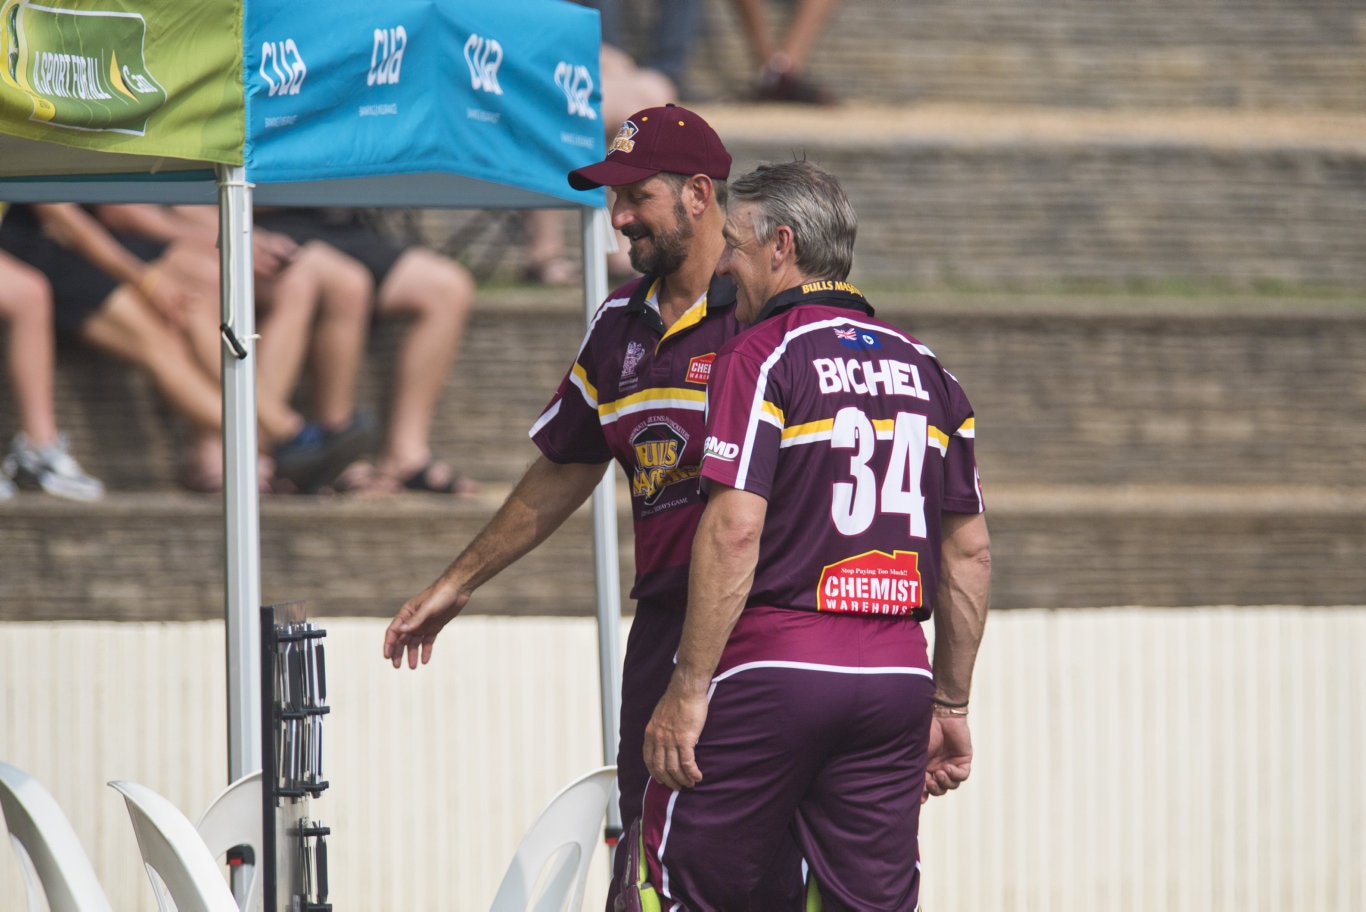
[716, 448]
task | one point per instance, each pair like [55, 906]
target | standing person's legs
[648, 664]
[859, 822]
[782, 63]
[712, 847]
[806, 27]
[796, 749]
[674, 34]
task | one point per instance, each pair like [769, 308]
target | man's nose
[623, 213]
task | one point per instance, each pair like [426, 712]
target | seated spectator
[38, 456]
[434, 295]
[313, 301]
[137, 310]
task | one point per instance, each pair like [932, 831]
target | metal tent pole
[596, 236]
[241, 499]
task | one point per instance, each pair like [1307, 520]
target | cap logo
[625, 139]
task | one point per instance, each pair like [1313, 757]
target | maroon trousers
[831, 759]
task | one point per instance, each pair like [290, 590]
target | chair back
[233, 820]
[54, 862]
[550, 868]
[173, 851]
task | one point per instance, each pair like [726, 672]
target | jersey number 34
[857, 502]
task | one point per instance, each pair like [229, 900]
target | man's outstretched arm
[547, 494]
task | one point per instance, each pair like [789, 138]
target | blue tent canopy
[430, 103]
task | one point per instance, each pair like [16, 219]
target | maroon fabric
[855, 482]
[831, 760]
[668, 138]
[638, 396]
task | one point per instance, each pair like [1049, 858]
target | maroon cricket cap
[669, 139]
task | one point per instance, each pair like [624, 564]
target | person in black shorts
[843, 510]
[312, 302]
[435, 295]
[137, 310]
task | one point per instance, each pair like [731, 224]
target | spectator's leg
[339, 337]
[26, 305]
[435, 295]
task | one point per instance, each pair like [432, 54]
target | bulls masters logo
[83, 70]
[659, 445]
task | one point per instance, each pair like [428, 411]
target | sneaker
[50, 468]
[315, 456]
[7, 488]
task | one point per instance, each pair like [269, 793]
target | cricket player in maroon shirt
[635, 394]
[844, 508]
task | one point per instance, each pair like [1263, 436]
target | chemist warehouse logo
[658, 447]
[82, 70]
[872, 583]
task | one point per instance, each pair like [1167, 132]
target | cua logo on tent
[282, 67]
[577, 84]
[82, 70]
[484, 56]
[386, 56]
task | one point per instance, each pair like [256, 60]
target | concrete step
[1249, 54]
[1174, 451]
[1047, 198]
[1069, 389]
[1042, 198]
[160, 556]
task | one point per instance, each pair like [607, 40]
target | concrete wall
[1202, 760]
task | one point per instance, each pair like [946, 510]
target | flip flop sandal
[362, 479]
[438, 478]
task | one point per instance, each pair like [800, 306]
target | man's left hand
[671, 736]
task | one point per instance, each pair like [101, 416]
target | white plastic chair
[173, 851]
[54, 863]
[550, 869]
[234, 819]
[231, 820]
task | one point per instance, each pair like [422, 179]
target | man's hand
[671, 736]
[950, 755]
[414, 628]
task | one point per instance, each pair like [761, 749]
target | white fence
[1127, 759]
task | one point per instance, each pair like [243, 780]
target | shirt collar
[821, 291]
[720, 296]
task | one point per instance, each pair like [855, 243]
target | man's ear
[700, 193]
[784, 246]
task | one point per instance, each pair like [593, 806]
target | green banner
[155, 77]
